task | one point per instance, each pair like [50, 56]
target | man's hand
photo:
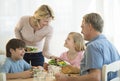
[61, 77]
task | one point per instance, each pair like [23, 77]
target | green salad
[54, 62]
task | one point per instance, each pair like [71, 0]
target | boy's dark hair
[14, 43]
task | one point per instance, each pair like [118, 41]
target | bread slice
[70, 70]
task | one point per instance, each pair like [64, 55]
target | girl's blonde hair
[78, 41]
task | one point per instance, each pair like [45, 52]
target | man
[99, 51]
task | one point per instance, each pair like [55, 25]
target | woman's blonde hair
[43, 11]
[78, 41]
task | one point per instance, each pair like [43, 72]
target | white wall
[68, 16]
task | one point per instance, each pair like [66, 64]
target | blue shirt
[99, 51]
[11, 66]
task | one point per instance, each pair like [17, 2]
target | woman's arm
[18, 28]
[46, 48]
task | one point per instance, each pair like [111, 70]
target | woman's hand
[53, 57]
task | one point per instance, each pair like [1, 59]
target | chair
[112, 67]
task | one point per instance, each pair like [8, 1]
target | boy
[15, 66]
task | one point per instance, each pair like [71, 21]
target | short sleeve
[26, 65]
[5, 67]
[94, 57]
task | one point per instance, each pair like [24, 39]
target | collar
[101, 36]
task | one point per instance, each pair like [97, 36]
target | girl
[74, 55]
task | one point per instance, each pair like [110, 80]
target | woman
[35, 31]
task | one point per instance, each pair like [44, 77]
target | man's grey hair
[95, 20]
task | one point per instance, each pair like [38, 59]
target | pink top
[25, 32]
[76, 62]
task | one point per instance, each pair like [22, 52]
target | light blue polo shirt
[11, 66]
[99, 51]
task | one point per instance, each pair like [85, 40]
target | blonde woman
[35, 31]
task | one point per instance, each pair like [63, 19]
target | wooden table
[37, 79]
[31, 79]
